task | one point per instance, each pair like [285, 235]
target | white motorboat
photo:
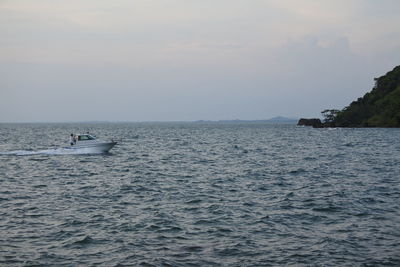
[89, 144]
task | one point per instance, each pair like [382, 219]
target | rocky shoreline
[315, 123]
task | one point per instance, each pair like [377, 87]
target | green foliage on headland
[378, 108]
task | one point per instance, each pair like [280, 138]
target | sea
[200, 194]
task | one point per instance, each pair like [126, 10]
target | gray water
[200, 194]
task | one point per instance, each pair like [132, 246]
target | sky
[184, 60]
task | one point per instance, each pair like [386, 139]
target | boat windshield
[85, 137]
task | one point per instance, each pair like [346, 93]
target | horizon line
[274, 119]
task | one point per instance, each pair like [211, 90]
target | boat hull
[93, 147]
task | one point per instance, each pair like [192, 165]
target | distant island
[377, 108]
[274, 120]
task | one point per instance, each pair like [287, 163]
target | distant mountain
[281, 119]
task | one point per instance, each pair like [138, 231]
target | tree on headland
[378, 108]
[329, 115]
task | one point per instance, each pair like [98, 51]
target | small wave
[327, 209]
[192, 248]
[86, 240]
[297, 171]
[80, 242]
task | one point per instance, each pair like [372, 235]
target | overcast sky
[168, 60]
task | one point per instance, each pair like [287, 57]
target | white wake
[53, 151]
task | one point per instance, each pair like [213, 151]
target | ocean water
[200, 194]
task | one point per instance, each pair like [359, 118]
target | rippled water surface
[174, 194]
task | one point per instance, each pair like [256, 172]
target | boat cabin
[85, 137]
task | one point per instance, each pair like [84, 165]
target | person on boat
[72, 140]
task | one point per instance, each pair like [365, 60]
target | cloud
[85, 31]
